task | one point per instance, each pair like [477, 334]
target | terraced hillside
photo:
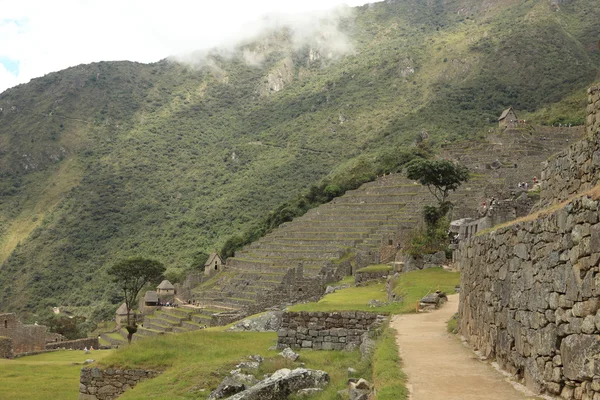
[356, 225]
[169, 320]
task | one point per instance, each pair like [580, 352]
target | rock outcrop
[283, 383]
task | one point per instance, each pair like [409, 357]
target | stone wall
[361, 277]
[592, 123]
[98, 384]
[578, 168]
[530, 297]
[296, 287]
[322, 330]
[78, 344]
[6, 347]
[26, 338]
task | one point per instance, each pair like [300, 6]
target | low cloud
[44, 36]
[320, 30]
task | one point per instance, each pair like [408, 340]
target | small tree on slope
[440, 177]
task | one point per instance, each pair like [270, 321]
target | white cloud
[48, 36]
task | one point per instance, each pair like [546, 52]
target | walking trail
[439, 366]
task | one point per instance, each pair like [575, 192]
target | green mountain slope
[104, 161]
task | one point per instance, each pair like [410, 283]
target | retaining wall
[577, 168]
[322, 330]
[98, 384]
[372, 275]
[78, 344]
[530, 297]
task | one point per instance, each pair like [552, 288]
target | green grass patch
[414, 285]
[410, 286]
[376, 268]
[44, 376]
[353, 298]
[452, 324]
[388, 378]
[195, 363]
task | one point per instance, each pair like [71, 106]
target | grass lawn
[44, 376]
[376, 268]
[195, 363]
[411, 286]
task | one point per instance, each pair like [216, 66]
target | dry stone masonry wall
[577, 168]
[323, 330]
[362, 276]
[530, 297]
[6, 350]
[97, 384]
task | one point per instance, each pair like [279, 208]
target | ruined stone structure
[213, 264]
[108, 384]
[508, 119]
[530, 293]
[578, 168]
[322, 330]
[365, 276]
[25, 338]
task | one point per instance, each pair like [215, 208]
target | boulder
[308, 392]
[376, 303]
[229, 386]
[289, 353]
[283, 383]
[267, 322]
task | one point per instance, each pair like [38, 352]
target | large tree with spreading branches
[131, 276]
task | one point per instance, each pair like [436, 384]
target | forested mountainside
[114, 159]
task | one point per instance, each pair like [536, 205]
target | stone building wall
[578, 168]
[26, 338]
[6, 347]
[530, 298]
[107, 384]
[78, 344]
[322, 330]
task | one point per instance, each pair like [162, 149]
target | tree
[131, 276]
[440, 176]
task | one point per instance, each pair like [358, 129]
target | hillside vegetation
[115, 159]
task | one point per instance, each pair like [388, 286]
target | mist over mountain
[115, 159]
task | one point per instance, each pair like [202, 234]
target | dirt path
[439, 366]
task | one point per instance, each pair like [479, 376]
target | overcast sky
[41, 36]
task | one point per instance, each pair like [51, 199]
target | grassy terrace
[195, 363]
[410, 286]
[376, 268]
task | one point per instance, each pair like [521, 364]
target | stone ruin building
[17, 338]
[24, 338]
[508, 119]
[213, 264]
